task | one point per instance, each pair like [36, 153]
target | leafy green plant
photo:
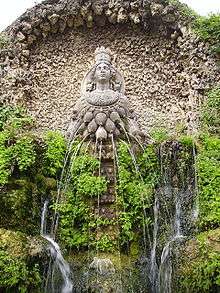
[187, 141]
[24, 153]
[202, 274]
[208, 28]
[159, 135]
[55, 148]
[15, 273]
[14, 118]
[17, 147]
[208, 178]
[210, 112]
[135, 188]
[104, 243]
[91, 186]
[77, 218]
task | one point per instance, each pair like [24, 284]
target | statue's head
[103, 71]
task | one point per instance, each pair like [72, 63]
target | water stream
[165, 269]
[57, 259]
[153, 261]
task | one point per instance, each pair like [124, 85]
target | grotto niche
[90, 202]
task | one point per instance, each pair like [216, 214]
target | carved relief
[103, 109]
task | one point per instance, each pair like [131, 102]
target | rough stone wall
[165, 77]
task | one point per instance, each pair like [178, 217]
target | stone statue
[103, 109]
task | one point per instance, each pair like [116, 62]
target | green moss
[210, 112]
[21, 206]
[134, 249]
[208, 28]
[135, 189]
[55, 148]
[18, 273]
[208, 162]
[200, 269]
[76, 216]
[159, 135]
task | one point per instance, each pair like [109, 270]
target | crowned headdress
[103, 55]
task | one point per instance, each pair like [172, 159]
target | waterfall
[165, 269]
[56, 255]
[153, 261]
[61, 264]
[43, 226]
[173, 200]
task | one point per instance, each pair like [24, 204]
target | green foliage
[186, 140]
[5, 158]
[208, 178]
[17, 147]
[210, 112]
[105, 243]
[4, 41]
[55, 148]
[18, 274]
[202, 274]
[208, 28]
[21, 177]
[91, 186]
[135, 188]
[186, 12]
[77, 218]
[24, 153]
[159, 135]
[14, 118]
[205, 275]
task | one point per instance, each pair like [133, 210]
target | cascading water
[58, 260]
[153, 261]
[172, 214]
[165, 269]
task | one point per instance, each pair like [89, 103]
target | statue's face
[102, 72]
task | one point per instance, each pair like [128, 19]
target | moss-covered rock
[19, 262]
[199, 266]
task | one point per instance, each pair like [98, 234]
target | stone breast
[105, 98]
